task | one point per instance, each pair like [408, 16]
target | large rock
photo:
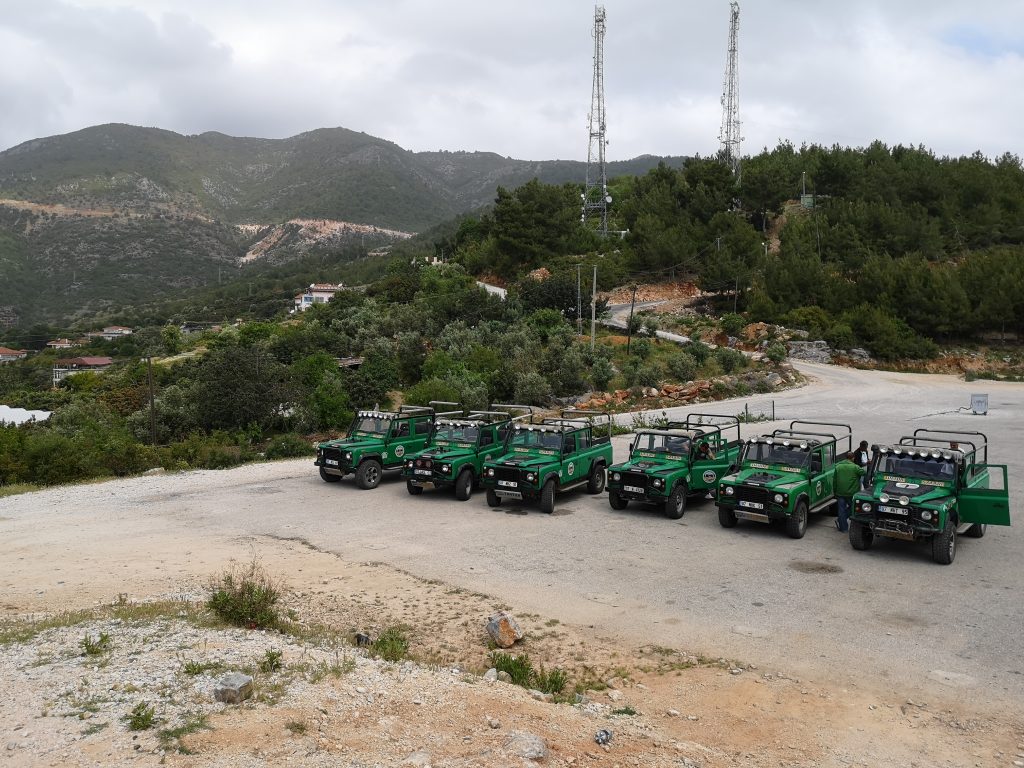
[811, 351]
[504, 629]
[233, 688]
[526, 745]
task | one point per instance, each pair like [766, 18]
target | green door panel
[988, 500]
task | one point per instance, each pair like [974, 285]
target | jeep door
[704, 472]
[406, 438]
[985, 498]
[822, 474]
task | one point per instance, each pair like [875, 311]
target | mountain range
[115, 214]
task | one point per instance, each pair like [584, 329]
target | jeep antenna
[595, 190]
[729, 136]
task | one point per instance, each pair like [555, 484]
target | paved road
[890, 616]
[618, 317]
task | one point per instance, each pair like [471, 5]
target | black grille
[506, 473]
[424, 463]
[638, 479]
[757, 495]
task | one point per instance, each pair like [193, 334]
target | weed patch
[95, 645]
[246, 597]
[392, 645]
[141, 718]
[171, 738]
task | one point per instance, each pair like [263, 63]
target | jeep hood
[349, 443]
[918, 493]
[773, 479]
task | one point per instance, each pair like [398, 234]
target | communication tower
[595, 191]
[730, 133]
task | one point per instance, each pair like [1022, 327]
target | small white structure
[10, 355]
[18, 416]
[60, 344]
[317, 293]
[979, 405]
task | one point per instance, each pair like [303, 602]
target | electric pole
[595, 191]
[152, 402]
[629, 323]
[729, 136]
[593, 311]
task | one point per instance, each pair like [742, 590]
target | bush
[601, 373]
[700, 351]
[776, 352]
[730, 359]
[288, 446]
[641, 348]
[732, 323]
[392, 645]
[518, 668]
[840, 336]
[245, 596]
[532, 389]
[682, 366]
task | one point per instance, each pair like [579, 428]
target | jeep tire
[616, 501]
[861, 536]
[976, 531]
[412, 488]
[327, 477]
[547, 497]
[944, 544]
[595, 483]
[464, 484]
[368, 474]
[726, 517]
[675, 507]
[796, 524]
[493, 499]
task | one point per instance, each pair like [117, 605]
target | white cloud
[515, 79]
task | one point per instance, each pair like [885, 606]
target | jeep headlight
[348, 456]
[778, 498]
[926, 515]
[409, 463]
[884, 498]
[904, 500]
[865, 507]
[616, 477]
[729, 490]
[446, 468]
[530, 477]
[490, 472]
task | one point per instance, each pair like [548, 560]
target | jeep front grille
[637, 479]
[756, 495]
[506, 473]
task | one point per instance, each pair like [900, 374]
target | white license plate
[509, 494]
[752, 504]
[508, 483]
[425, 472]
[632, 489]
[893, 510]
[331, 462]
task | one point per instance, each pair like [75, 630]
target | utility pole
[152, 402]
[629, 323]
[729, 136]
[593, 311]
[595, 190]
[579, 302]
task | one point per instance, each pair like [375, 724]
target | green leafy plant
[271, 661]
[391, 645]
[245, 596]
[519, 668]
[550, 682]
[142, 717]
[95, 645]
[626, 710]
[171, 738]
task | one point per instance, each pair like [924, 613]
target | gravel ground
[863, 633]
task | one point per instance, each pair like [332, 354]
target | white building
[317, 293]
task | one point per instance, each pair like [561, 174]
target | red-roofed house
[60, 344]
[64, 368]
[10, 355]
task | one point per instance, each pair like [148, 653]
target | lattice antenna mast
[729, 136]
[595, 192]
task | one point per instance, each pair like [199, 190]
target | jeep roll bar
[590, 418]
[509, 408]
[433, 408]
[731, 422]
[931, 436]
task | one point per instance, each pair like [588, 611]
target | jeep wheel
[726, 517]
[796, 524]
[464, 484]
[944, 544]
[547, 497]
[368, 475]
[976, 531]
[327, 477]
[861, 536]
[675, 507]
[616, 501]
[412, 488]
[493, 499]
[595, 483]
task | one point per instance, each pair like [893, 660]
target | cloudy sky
[515, 78]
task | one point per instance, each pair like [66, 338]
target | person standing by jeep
[861, 457]
[848, 476]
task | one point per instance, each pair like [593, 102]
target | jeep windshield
[917, 467]
[371, 425]
[779, 455]
[529, 438]
[655, 443]
[456, 433]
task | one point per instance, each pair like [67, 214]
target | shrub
[518, 668]
[288, 446]
[532, 389]
[700, 351]
[776, 352]
[392, 645]
[730, 359]
[641, 348]
[550, 682]
[601, 373]
[142, 717]
[732, 323]
[271, 661]
[245, 596]
[682, 366]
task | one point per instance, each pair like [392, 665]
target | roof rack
[932, 436]
[526, 411]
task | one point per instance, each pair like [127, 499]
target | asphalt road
[888, 617]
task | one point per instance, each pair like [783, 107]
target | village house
[60, 344]
[64, 368]
[10, 355]
[110, 333]
[317, 293]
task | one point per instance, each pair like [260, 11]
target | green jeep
[931, 485]
[458, 448]
[376, 441]
[784, 476]
[684, 458]
[552, 456]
